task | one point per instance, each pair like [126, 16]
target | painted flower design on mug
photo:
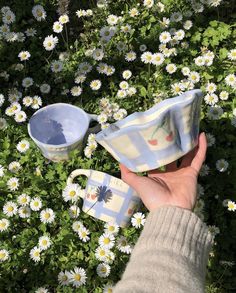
[101, 193]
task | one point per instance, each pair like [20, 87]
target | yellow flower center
[10, 209]
[106, 240]
[36, 204]
[2, 225]
[2, 255]
[102, 252]
[47, 216]
[77, 277]
[44, 242]
[72, 193]
[111, 228]
[37, 253]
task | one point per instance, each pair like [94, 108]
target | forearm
[170, 255]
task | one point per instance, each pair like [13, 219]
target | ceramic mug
[106, 197]
[59, 128]
[164, 133]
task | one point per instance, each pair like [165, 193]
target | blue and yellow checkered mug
[106, 197]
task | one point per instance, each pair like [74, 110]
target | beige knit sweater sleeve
[170, 256]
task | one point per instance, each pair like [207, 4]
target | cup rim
[58, 145]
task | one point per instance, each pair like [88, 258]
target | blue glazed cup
[59, 128]
[106, 197]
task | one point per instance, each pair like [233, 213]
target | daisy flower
[165, 37]
[103, 270]
[211, 99]
[211, 87]
[215, 112]
[2, 99]
[8, 17]
[112, 19]
[76, 91]
[83, 234]
[146, 57]
[171, 68]
[138, 220]
[71, 192]
[57, 27]
[124, 85]
[204, 170]
[106, 240]
[39, 13]
[130, 56]
[98, 54]
[50, 42]
[214, 230]
[199, 61]
[77, 226]
[23, 146]
[95, 84]
[108, 288]
[64, 19]
[123, 245]
[24, 55]
[4, 255]
[107, 32]
[133, 12]
[224, 95]
[109, 70]
[231, 206]
[101, 253]
[27, 82]
[194, 76]
[37, 102]
[185, 71]
[77, 277]
[222, 165]
[74, 211]
[45, 88]
[188, 24]
[24, 212]
[102, 118]
[85, 67]
[158, 59]
[126, 74]
[80, 78]
[10, 209]
[56, 66]
[44, 242]
[111, 228]
[210, 139]
[23, 199]
[35, 204]
[122, 94]
[231, 80]
[47, 216]
[14, 167]
[20, 116]
[27, 101]
[13, 183]
[35, 254]
[30, 32]
[4, 224]
[63, 278]
[232, 54]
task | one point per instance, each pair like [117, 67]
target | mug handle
[76, 173]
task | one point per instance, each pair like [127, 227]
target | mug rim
[57, 145]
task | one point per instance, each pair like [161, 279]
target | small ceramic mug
[106, 197]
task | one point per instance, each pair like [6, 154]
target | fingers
[200, 155]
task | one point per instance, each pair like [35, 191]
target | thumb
[128, 176]
[135, 181]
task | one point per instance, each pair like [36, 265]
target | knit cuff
[178, 230]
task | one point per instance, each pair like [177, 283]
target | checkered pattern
[119, 208]
[135, 142]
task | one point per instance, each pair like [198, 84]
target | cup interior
[59, 124]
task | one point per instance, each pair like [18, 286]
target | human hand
[175, 186]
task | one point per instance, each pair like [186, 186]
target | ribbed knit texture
[170, 255]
